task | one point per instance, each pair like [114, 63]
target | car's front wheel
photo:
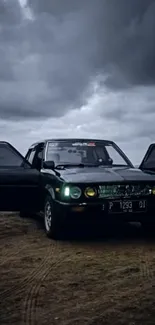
[52, 224]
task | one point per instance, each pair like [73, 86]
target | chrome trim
[45, 151]
[78, 204]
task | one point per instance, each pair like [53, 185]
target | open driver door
[19, 182]
[148, 162]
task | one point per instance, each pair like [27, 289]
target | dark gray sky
[65, 63]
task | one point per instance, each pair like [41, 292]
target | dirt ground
[108, 281]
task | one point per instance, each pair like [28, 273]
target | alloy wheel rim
[48, 216]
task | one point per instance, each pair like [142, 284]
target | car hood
[102, 174]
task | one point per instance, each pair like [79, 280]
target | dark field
[108, 281]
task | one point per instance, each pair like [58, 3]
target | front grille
[125, 190]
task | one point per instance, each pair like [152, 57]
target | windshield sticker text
[53, 144]
[91, 144]
[84, 144]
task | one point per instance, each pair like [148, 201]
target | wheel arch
[49, 190]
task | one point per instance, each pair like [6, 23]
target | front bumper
[93, 214]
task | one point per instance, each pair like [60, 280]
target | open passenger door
[19, 183]
[148, 162]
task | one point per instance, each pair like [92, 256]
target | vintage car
[77, 182]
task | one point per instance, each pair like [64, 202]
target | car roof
[71, 140]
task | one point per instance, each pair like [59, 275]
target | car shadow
[125, 233]
[122, 234]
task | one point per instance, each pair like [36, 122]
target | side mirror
[49, 164]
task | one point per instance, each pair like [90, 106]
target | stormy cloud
[50, 60]
[119, 35]
[78, 68]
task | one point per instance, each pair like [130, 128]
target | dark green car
[84, 182]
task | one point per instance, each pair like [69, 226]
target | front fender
[49, 190]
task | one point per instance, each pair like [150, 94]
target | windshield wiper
[65, 165]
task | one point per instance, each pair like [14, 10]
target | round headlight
[75, 192]
[90, 192]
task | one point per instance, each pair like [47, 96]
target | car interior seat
[55, 157]
[38, 160]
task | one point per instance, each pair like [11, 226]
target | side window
[30, 155]
[115, 156]
[149, 159]
[9, 157]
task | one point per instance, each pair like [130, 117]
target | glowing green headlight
[67, 191]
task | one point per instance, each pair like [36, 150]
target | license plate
[127, 206]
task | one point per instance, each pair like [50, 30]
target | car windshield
[87, 153]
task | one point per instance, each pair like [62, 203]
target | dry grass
[95, 282]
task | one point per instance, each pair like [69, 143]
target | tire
[51, 222]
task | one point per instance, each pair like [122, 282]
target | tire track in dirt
[39, 272]
[10, 256]
[18, 288]
[31, 300]
[77, 320]
[16, 249]
[146, 267]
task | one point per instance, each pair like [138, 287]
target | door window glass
[9, 156]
